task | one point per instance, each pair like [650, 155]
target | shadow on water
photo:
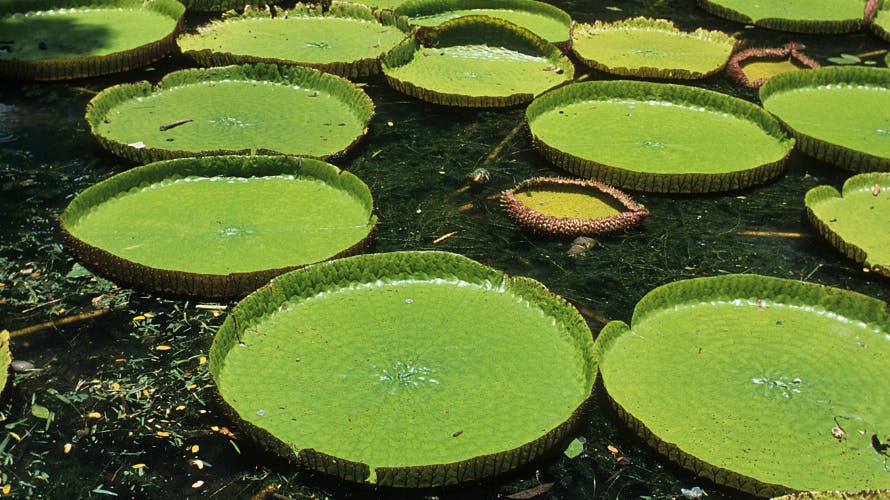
[131, 402]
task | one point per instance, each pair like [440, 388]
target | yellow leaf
[138, 318]
[195, 448]
[197, 484]
[180, 408]
[137, 466]
[6, 488]
[163, 348]
[94, 414]
[202, 360]
[163, 434]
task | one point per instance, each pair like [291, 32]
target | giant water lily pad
[218, 226]
[855, 222]
[56, 40]
[571, 207]
[838, 114]
[546, 21]
[348, 40]
[658, 137]
[409, 369]
[651, 48]
[252, 108]
[477, 61]
[804, 16]
[761, 384]
[880, 22]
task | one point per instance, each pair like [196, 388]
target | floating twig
[444, 237]
[168, 126]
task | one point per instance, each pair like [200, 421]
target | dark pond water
[131, 419]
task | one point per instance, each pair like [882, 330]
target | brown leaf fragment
[168, 126]
[531, 492]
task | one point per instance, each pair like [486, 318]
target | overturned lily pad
[477, 61]
[5, 358]
[219, 226]
[651, 48]
[855, 222]
[546, 21]
[766, 385]
[571, 207]
[247, 109]
[802, 16]
[398, 369]
[658, 137]
[59, 40]
[840, 115]
[348, 40]
[753, 67]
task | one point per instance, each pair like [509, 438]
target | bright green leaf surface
[826, 10]
[225, 225]
[236, 114]
[861, 218]
[5, 358]
[545, 27]
[406, 373]
[756, 386]
[850, 115]
[478, 70]
[80, 32]
[303, 39]
[633, 47]
[656, 136]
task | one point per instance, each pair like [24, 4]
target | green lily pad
[802, 16]
[398, 369]
[477, 61]
[58, 40]
[840, 115]
[855, 222]
[348, 40]
[762, 384]
[218, 226]
[651, 48]
[658, 137]
[880, 23]
[546, 21]
[571, 207]
[248, 109]
[5, 358]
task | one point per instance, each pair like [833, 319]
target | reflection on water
[132, 409]
[7, 123]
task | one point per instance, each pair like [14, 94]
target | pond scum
[110, 394]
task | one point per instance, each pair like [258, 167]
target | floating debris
[580, 246]
[692, 493]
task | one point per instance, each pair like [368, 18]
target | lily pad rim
[263, 302]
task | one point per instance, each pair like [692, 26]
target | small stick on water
[778, 234]
[67, 320]
[444, 237]
[497, 149]
[168, 126]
